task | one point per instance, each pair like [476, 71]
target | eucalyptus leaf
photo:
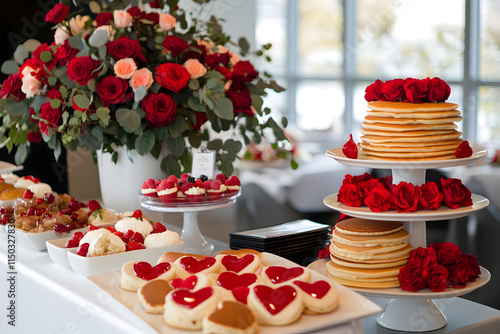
[16, 108]
[214, 74]
[139, 94]
[55, 103]
[94, 7]
[75, 41]
[9, 67]
[194, 139]
[224, 108]
[215, 145]
[52, 81]
[21, 155]
[176, 145]
[82, 101]
[171, 166]
[178, 126]
[128, 118]
[257, 103]
[46, 56]
[244, 45]
[103, 114]
[31, 44]
[98, 38]
[194, 103]
[145, 142]
[193, 84]
[21, 54]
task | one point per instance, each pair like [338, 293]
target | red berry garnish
[75, 240]
[137, 214]
[158, 228]
[128, 235]
[39, 200]
[30, 211]
[138, 237]
[350, 149]
[111, 229]
[463, 150]
[83, 249]
[134, 245]
[74, 216]
[93, 227]
[94, 205]
[38, 212]
[28, 194]
[120, 234]
[70, 226]
[49, 198]
[61, 228]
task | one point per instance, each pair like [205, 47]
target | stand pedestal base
[194, 241]
[412, 315]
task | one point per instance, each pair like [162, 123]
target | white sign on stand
[203, 163]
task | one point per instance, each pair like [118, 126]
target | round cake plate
[412, 311]
[194, 240]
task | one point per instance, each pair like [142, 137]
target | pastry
[136, 223]
[192, 282]
[233, 184]
[279, 275]
[105, 244]
[152, 295]
[231, 317]
[247, 263]
[135, 274]
[318, 297]
[149, 187]
[167, 190]
[189, 265]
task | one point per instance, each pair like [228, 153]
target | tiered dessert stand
[194, 241]
[412, 311]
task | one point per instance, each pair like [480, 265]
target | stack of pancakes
[410, 131]
[368, 253]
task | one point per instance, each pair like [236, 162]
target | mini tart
[149, 188]
[193, 192]
[131, 271]
[167, 191]
[215, 189]
[233, 184]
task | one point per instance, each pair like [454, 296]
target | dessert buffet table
[51, 299]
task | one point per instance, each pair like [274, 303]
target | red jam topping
[229, 280]
[463, 150]
[188, 283]
[146, 272]
[193, 266]
[241, 294]
[191, 299]
[279, 274]
[275, 300]
[317, 289]
[350, 149]
[237, 264]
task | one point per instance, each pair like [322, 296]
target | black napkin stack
[298, 241]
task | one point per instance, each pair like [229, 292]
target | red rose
[172, 76]
[393, 90]
[424, 257]
[215, 59]
[349, 195]
[373, 91]
[448, 253]
[57, 14]
[405, 197]
[34, 137]
[201, 118]
[385, 180]
[411, 277]
[415, 90]
[455, 193]
[471, 262]
[436, 279]
[244, 71]
[226, 72]
[54, 93]
[153, 17]
[134, 11]
[82, 69]
[362, 178]
[160, 109]
[64, 53]
[124, 47]
[103, 19]
[324, 253]
[438, 90]
[379, 199]
[365, 187]
[430, 196]
[49, 114]
[112, 90]
[239, 94]
[175, 45]
[12, 87]
[459, 275]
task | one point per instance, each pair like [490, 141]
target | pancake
[437, 158]
[391, 239]
[415, 144]
[408, 121]
[410, 148]
[366, 227]
[403, 128]
[418, 115]
[411, 107]
[382, 274]
[368, 264]
[408, 155]
[369, 285]
[419, 137]
[366, 253]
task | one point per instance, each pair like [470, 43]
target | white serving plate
[336, 153]
[443, 213]
[58, 253]
[38, 241]
[319, 266]
[102, 264]
[352, 305]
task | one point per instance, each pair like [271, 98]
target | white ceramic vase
[121, 182]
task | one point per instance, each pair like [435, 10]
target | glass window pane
[320, 105]
[320, 37]
[410, 38]
[489, 66]
[488, 117]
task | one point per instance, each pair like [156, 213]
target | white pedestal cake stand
[194, 240]
[408, 311]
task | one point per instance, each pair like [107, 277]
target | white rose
[60, 36]
[31, 86]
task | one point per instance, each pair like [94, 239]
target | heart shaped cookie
[191, 299]
[147, 272]
[230, 280]
[189, 265]
[245, 264]
[193, 282]
[275, 306]
[152, 295]
[240, 294]
[280, 274]
[136, 273]
[318, 297]
[231, 317]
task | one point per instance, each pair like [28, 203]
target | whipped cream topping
[195, 191]
[129, 223]
[39, 189]
[10, 178]
[23, 183]
[162, 239]
[90, 236]
[167, 191]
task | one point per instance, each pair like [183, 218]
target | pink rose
[124, 68]
[60, 36]
[195, 68]
[31, 86]
[142, 77]
[167, 21]
[122, 18]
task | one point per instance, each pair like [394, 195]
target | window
[325, 52]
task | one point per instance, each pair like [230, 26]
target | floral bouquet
[146, 77]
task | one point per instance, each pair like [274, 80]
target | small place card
[203, 164]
